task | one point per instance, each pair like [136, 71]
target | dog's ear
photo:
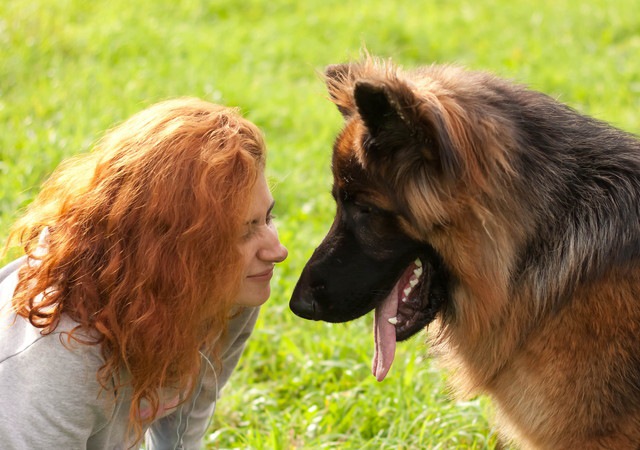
[397, 119]
[339, 79]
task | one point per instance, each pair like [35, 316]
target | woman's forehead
[261, 197]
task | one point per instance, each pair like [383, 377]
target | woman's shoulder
[20, 339]
[45, 376]
[11, 269]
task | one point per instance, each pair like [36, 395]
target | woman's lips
[262, 276]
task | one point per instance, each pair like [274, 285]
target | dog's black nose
[304, 307]
[303, 301]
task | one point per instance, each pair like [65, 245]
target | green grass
[69, 69]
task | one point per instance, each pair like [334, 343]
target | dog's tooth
[407, 291]
[392, 320]
[405, 299]
[418, 262]
[418, 271]
[413, 281]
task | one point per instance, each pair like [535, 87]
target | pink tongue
[385, 335]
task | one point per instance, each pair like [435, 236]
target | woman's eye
[253, 227]
[269, 218]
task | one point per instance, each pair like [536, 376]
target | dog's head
[396, 162]
[366, 253]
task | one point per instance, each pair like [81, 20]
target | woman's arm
[185, 428]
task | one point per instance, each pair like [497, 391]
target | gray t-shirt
[50, 397]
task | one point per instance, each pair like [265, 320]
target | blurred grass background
[70, 69]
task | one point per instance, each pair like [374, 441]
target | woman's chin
[254, 299]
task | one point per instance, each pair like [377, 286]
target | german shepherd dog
[507, 221]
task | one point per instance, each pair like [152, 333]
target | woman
[146, 262]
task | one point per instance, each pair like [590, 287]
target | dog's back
[560, 351]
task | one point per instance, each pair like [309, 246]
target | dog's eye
[364, 209]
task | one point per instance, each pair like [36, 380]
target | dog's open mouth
[411, 305]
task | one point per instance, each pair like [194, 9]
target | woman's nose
[273, 250]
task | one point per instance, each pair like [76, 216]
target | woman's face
[260, 247]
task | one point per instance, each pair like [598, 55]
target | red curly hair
[140, 247]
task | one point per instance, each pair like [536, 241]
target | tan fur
[506, 333]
